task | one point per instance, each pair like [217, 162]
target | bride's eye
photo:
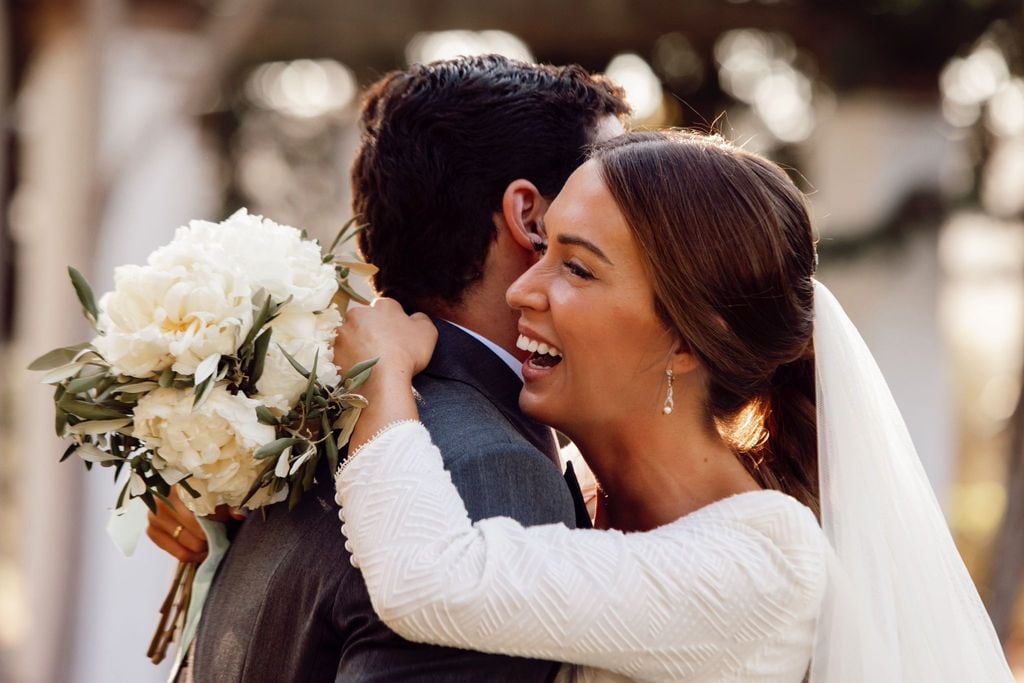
[578, 270]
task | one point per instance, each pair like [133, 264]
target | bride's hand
[403, 343]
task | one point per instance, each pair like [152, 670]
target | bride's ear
[683, 359]
[522, 210]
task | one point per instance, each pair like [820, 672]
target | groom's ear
[522, 211]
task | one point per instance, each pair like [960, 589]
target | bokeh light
[643, 89]
[430, 46]
[1006, 109]
[302, 88]
[760, 69]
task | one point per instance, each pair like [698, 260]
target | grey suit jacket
[287, 605]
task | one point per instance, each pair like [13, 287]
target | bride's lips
[544, 356]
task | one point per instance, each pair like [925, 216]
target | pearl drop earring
[669, 401]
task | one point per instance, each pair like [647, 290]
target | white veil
[900, 604]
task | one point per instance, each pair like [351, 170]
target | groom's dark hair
[441, 142]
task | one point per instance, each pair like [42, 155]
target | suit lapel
[579, 505]
[460, 357]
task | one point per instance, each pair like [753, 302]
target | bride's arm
[663, 605]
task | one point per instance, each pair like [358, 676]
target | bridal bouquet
[212, 369]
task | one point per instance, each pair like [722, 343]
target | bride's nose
[528, 290]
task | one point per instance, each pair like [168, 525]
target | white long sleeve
[729, 592]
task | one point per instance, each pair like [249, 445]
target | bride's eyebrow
[586, 244]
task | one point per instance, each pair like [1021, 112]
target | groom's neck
[483, 308]
[486, 313]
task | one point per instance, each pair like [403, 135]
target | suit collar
[460, 357]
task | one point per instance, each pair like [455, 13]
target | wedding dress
[749, 588]
[728, 592]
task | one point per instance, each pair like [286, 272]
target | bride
[762, 513]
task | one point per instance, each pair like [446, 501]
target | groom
[457, 164]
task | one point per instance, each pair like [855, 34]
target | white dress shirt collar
[511, 361]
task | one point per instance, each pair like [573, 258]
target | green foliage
[85, 296]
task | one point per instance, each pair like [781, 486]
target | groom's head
[454, 153]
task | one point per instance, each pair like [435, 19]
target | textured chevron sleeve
[732, 586]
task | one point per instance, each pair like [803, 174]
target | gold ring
[177, 532]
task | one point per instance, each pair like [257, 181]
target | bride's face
[588, 301]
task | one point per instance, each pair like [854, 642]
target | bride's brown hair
[728, 243]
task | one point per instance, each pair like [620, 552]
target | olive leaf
[294, 363]
[329, 442]
[60, 421]
[360, 367]
[275, 447]
[135, 388]
[84, 384]
[91, 453]
[281, 469]
[68, 451]
[353, 294]
[343, 234]
[93, 427]
[262, 480]
[347, 423]
[84, 292]
[265, 416]
[354, 400]
[311, 384]
[299, 461]
[357, 381]
[183, 483]
[259, 356]
[57, 357]
[206, 369]
[62, 373]
[203, 391]
[261, 317]
[359, 267]
[89, 411]
[121, 496]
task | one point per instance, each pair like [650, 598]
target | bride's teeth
[534, 346]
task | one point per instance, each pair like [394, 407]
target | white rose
[271, 256]
[174, 316]
[303, 336]
[214, 443]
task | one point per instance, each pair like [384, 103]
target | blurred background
[122, 119]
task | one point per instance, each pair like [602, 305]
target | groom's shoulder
[497, 470]
[461, 419]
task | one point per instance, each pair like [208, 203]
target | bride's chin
[539, 408]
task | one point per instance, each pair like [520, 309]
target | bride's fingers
[425, 333]
[165, 542]
[225, 513]
[179, 514]
[384, 331]
[191, 539]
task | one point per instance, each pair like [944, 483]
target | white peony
[214, 443]
[303, 336]
[271, 256]
[173, 316]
